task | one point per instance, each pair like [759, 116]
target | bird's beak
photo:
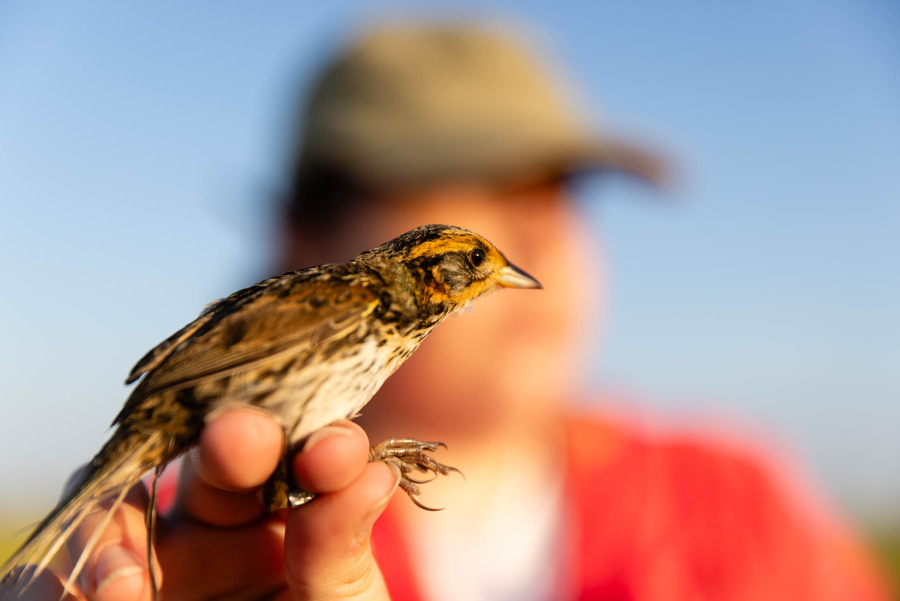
[513, 277]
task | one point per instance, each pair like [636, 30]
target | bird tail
[111, 473]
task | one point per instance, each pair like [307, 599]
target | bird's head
[450, 267]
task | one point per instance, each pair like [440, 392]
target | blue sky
[141, 147]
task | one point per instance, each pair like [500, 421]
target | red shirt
[669, 518]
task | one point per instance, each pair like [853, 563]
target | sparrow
[309, 347]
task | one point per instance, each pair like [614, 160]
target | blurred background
[142, 150]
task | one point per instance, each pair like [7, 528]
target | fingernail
[217, 412]
[367, 522]
[390, 492]
[324, 433]
[114, 563]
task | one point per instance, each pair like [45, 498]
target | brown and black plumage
[309, 346]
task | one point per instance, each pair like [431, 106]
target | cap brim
[507, 160]
[628, 158]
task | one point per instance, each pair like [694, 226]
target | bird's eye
[477, 257]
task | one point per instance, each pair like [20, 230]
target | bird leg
[279, 492]
[409, 454]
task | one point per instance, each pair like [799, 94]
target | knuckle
[355, 579]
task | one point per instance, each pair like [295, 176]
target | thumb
[327, 550]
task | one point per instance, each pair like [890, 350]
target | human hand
[218, 541]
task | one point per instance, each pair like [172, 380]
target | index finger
[237, 453]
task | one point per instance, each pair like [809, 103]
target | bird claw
[409, 454]
[415, 499]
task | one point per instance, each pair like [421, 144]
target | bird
[309, 347]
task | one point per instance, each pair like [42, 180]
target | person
[442, 123]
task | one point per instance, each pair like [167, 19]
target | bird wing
[265, 326]
[214, 310]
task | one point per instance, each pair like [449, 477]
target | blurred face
[516, 353]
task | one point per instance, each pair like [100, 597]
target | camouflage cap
[418, 104]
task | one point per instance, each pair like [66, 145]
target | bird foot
[409, 455]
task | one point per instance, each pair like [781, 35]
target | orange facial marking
[460, 242]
